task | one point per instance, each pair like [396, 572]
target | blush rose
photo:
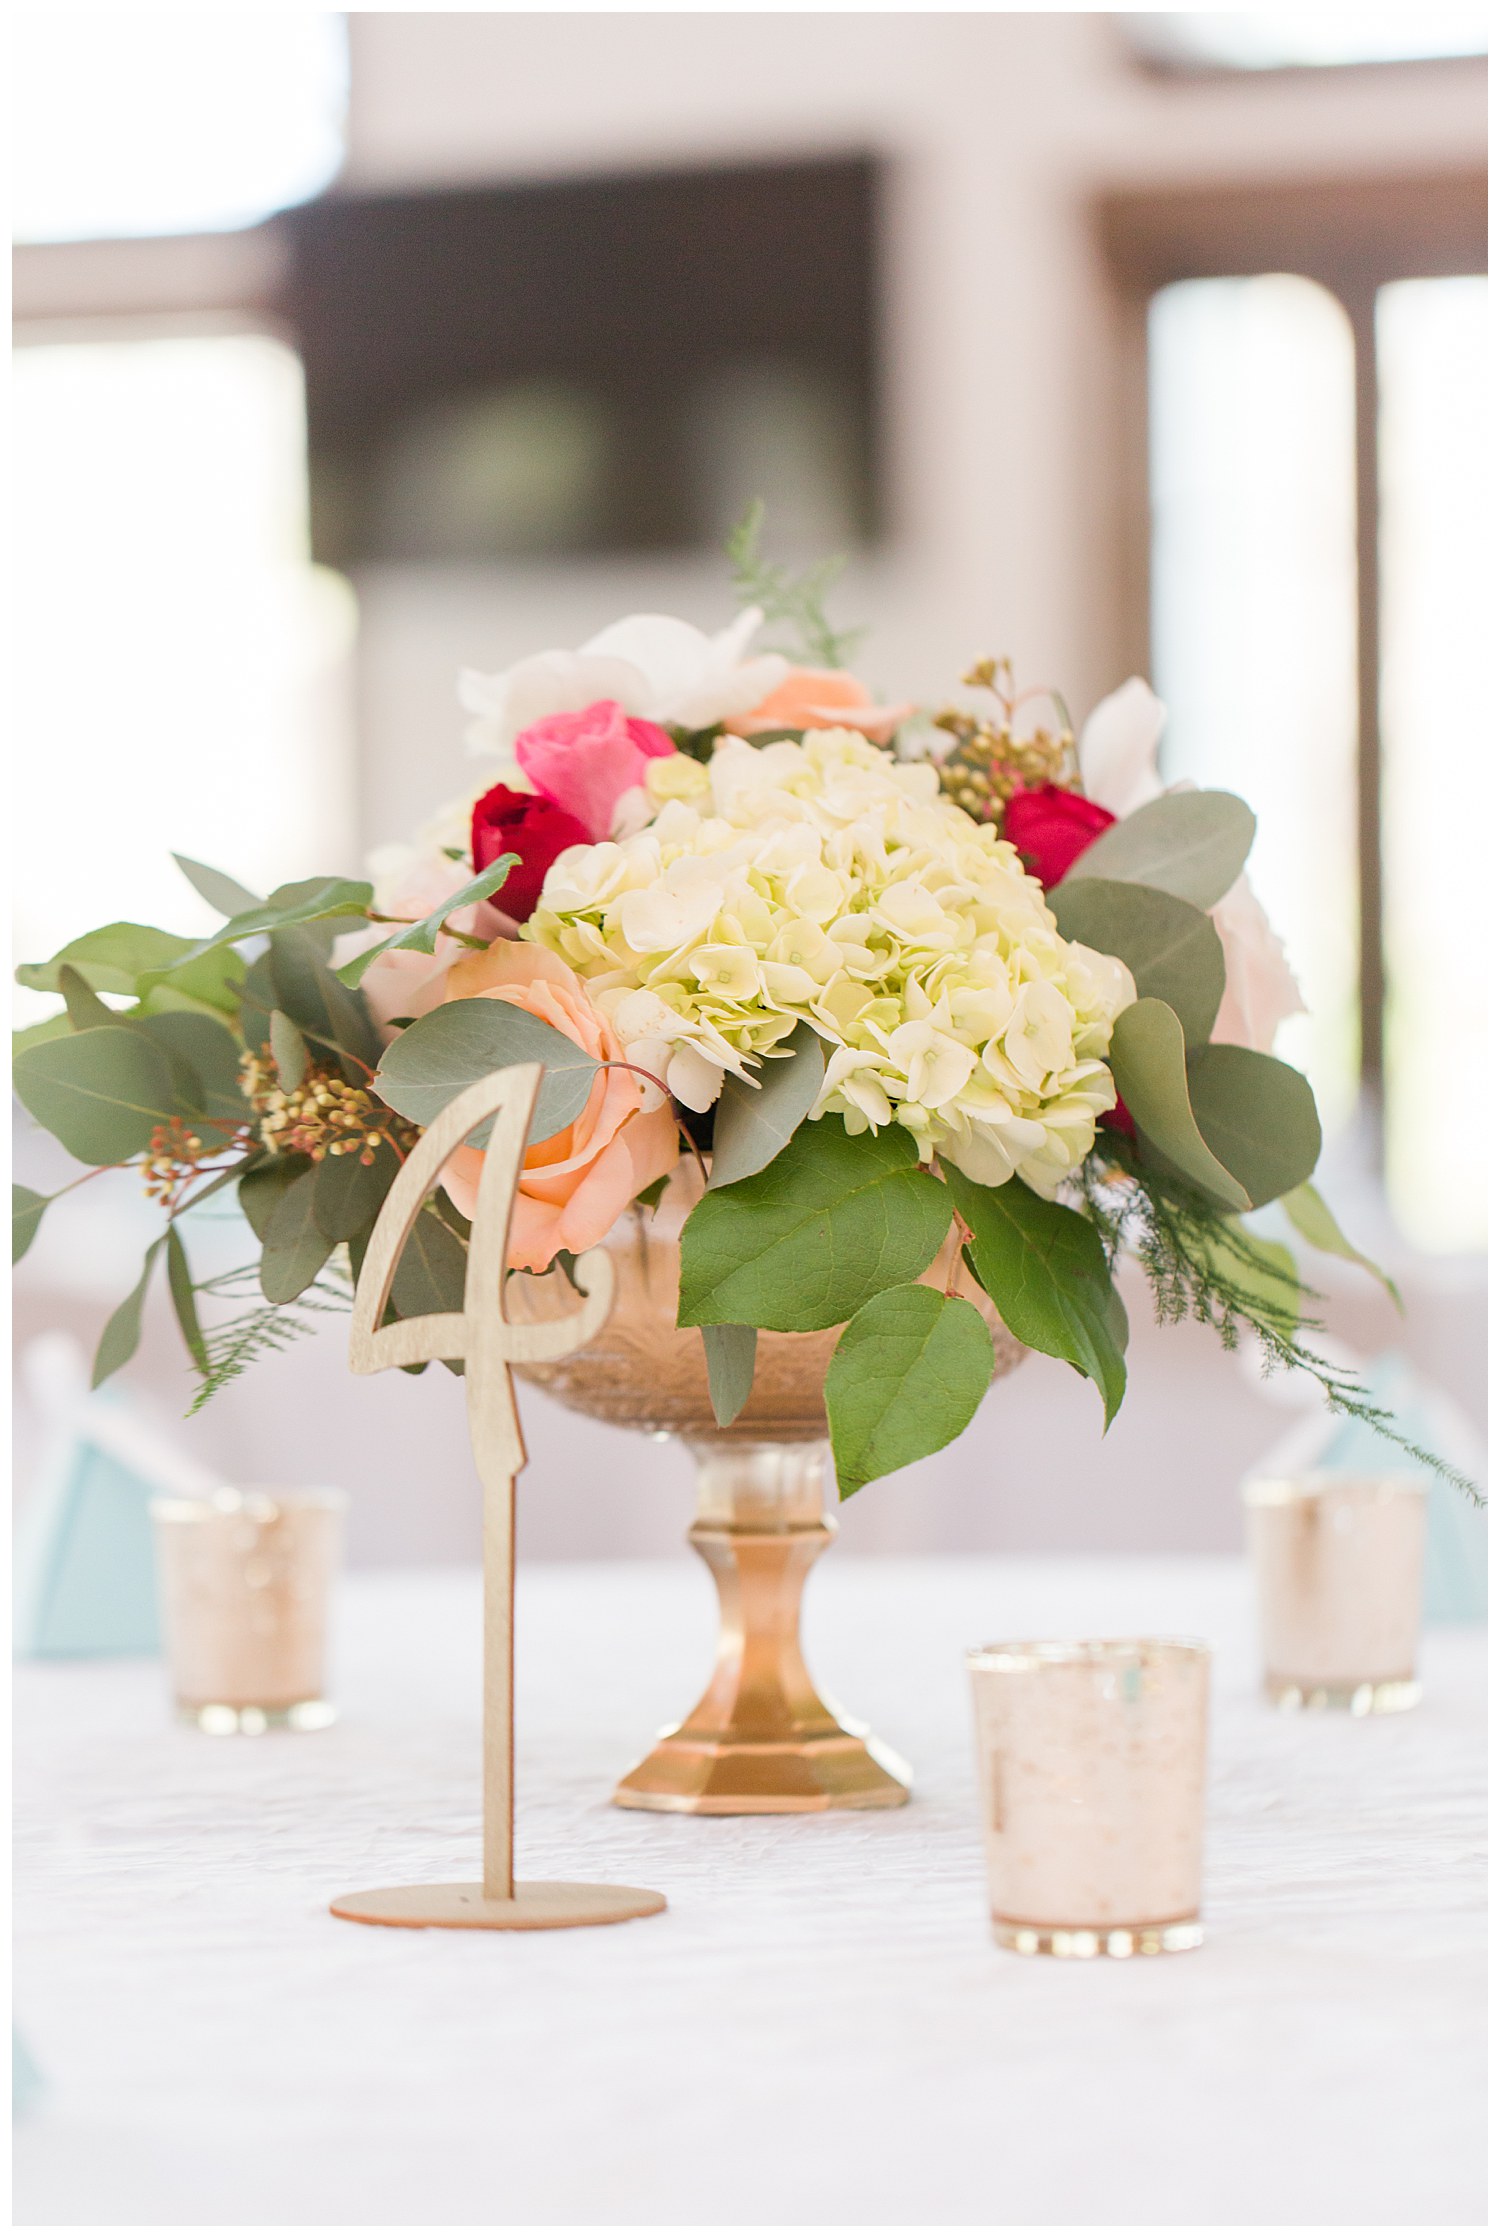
[575, 1185]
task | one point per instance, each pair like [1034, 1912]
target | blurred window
[1437, 731]
[138, 121]
[1253, 603]
[1301, 38]
[1317, 571]
[176, 658]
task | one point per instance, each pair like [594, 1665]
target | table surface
[819, 2029]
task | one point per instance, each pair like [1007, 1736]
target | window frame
[1353, 237]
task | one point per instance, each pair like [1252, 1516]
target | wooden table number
[486, 1342]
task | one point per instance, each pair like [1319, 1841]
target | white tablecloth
[819, 2029]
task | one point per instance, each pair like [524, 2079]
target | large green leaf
[334, 1018]
[905, 1378]
[184, 1303]
[1313, 1221]
[806, 1241]
[422, 938]
[220, 891]
[1190, 844]
[729, 1351]
[100, 1092]
[432, 1269]
[1171, 948]
[26, 1209]
[349, 1195]
[210, 1054]
[44, 1029]
[112, 959]
[85, 1010]
[294, 1250]
[460, 1042]
[1045, 1270]
[307, 901]
[1258, 1117]
[122, 1331]
[256, 1000]
[753, 1125]
[264, 1186]
[1148, 1058]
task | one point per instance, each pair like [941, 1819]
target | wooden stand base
[464, 1904]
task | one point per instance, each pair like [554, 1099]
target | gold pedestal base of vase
[762, 1739]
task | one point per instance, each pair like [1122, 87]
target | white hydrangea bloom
[820, 880]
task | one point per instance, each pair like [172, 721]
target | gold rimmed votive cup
[1338, 1572]
[246, 1578]
[1092, 1761]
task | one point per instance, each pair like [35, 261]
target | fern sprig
[1203, 1265]
[795, 602]
[235, 1345]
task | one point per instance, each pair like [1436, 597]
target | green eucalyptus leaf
[1044, 1269]
[184, 1304]
[350, 1194]
[1310, 1216]
[334, 1018]
[423, 937]
[208, 1051]
[257, 1000]
[805, 1242]
[84, 1007]
[264, 1186]
[753, 1125]
[432, 1269]
[906, 1377]
[112, 959]
[1148, 1058]
[294, 1249]
[1170, 948]
[1258, 1116]
[122, 1331]
[26, 1209]
[461, 1042]
[101, 1092]
[56, 1028]
[288, 1051]
[220, 891]
[305, 902]
[1190, 844]
[729, 1351]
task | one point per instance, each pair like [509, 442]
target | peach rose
[820, 699]
[575, 1185]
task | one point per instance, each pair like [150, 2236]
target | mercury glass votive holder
[245, 1582]
[1092, 1761]
[1338, 1571]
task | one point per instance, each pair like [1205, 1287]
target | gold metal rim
[1037, 1655]
[1325, 1484]
[1156, 1939]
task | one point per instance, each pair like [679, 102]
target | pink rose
[575, 1185]
[585, 762]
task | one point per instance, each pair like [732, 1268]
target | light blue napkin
[85, 1574]
[1457, 1586]
[25, 2077]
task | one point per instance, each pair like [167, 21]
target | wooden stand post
[486, 1342]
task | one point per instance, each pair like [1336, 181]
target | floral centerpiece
[902, 984]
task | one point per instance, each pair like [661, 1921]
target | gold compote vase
[762, 1738]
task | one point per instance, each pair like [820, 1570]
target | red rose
[1050, 828]
[510, 823]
